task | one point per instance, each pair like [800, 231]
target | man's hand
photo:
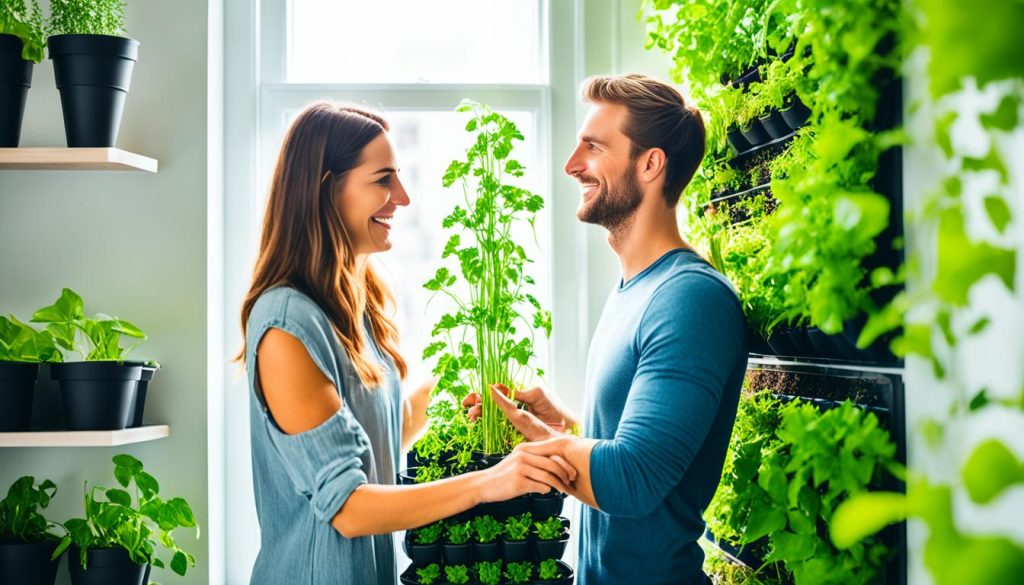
[576, 452]
[542, 420]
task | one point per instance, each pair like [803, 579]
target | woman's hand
[521, 473]
[543, 419]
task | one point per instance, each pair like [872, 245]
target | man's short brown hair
[659, 117]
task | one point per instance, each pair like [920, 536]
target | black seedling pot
[15, 80]
[486, 551]
[97, 396]
[566, 577]
[755, 134]
[17, 383]
[106, 566]
[546, 505]
[738, 142]
[138, 405]
[515, 551]
[457, 554]
[514, 507]
[775, 125]
[28, 563]
[796, 114]
[550, 549]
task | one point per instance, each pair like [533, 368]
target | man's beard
[612, 207]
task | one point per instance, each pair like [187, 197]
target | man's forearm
[576, 451]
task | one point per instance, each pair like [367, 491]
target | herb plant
[428, 575]
[487, 529]
[21, 343]
[20, 517]
[460, 532]
[478, 344]
[488, 572]
[550, 529]
[429, 533]
[137, 529]
[26, 23]
[457, 574]
[518, 527]
[67, 323]
[549, 570]
[520, 572]
[86, 17]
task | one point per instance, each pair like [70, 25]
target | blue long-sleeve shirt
[663, 379]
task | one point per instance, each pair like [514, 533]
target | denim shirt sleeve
[324, 464]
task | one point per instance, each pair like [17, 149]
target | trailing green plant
[788, 467]
[487, 529]
[478, 344]
[518, 527]
[86, 17]
[20, 518]
[460, 532]
[550, 529]
[488, 572]
[430, 472]
[520, 572]
[724, 571]
[549, 570]
[457, 574]
[428, 575]
[21, 343]
[24, 21]
[139, 528]
[100, 335]
[429, 533]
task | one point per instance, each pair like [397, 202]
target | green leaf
[998, 212]
[120, 497]
[965, 262]
[1005, 116]
[990, 470]
[865, 514]
[179, 564]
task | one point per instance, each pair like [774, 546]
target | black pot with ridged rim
[15, 81]
[28, 563]
[93, 74]
[547, 505]
[138, 405]
[486, 551]
[106, 566]
[17, 386]
[515, 551]
[97, 396]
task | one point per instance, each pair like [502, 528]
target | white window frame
[256, 93]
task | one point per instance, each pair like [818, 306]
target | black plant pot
[515, 551]
[566, 577]
[406, 476]
[757, 344]
[97, 396]
[514, 507]
[775, 125]
[738, 142]
[28, 563]
[423, 554]
[93, 74]
[781, 343]
[796, 114]
[550, 549]
[755, 134]
[457, 554]
[17, 383]
[106, 566]
[547, 505]
[486, 551]
[15, 79]
[801, 344]
[139, 398]
[824, 345]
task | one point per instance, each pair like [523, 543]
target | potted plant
[488, 572]
[551, 538]
[97, 393]
[457, 574]
[516, 547]
[427, 575]
[26, 543]
[519, 572]
[546, 505]
[423, 545]
[457, 550]
[486, 531]
[21, 45]
[554, 572]
[22, 348]
[92, 65]
[116, 542]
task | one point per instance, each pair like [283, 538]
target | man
[667, 359]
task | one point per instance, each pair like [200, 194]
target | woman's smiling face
[369, 196]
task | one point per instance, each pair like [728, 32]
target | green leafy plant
[460, 532]
[549, 570]
[457, 574]
[518, 527]
[86, 17]
[488, 572]
[66, 322]
[478, 344]
[487, 529]
[138, 529]
[432, 471]
[550, 529]
[24, 21]
[21, 343]
[429, 533]
[520, 572]
[429, 574]
[20, 517]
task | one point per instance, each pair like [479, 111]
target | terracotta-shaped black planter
[106, 566]
[17, 385]
[28, 563]
[422, 554]
[565, 576]
[796, 114]
[457, 554]
[97, 396]
[515, 551]
[15, 80]
[755, 133]
[547, 505]
[138, 405]
[486, 551]
[738, 142]
[93, 74]
[514, 507]
[775, 125]
[550, 549]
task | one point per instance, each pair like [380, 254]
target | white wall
[134, 245]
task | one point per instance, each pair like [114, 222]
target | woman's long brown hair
[304, 243]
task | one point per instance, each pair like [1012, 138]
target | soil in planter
[835, 388]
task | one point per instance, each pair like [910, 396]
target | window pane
[412, 41]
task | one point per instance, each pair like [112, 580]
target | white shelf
[74, 159]
[84, 438]
[774, 361]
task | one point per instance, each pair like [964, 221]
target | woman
[328, 420]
